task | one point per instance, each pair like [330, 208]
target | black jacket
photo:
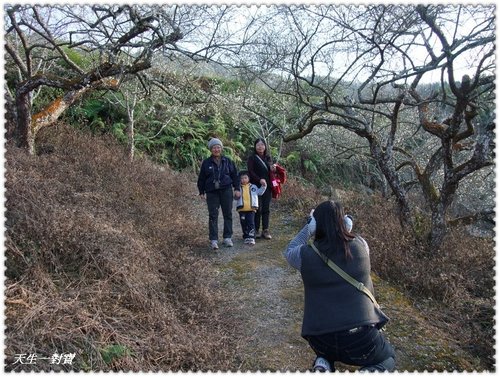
[226, 174]
[257, 170]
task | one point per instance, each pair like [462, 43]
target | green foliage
[119, 131]
[421, 225]
[96, 114]
[229, 86]
[169, 132]
[293, 159]
[181, 143]
[113, 352]
[303, 163]
[310, 166]
[77, 57]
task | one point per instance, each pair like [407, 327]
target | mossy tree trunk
[28, 125]
[454, 138]
[77, 65]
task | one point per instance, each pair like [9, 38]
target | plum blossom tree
[75, 49]
[416, 83]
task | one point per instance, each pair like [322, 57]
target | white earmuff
[311, 226]
[348, 222]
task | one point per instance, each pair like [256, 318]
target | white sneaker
[214, 244]
[228, 242]
[251, 241]
[321, 365]
[247, 241]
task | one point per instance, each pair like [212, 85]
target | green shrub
[113, 352]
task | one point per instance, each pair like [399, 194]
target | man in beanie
[214, 141]
[217, 179]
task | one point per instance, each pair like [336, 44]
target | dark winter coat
[257, 170]
[210, 173]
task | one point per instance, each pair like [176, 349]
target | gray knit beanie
[213, 142]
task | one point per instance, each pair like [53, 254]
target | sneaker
[321, 365]
[251, 241]
[228, 242]
[214, 244]
[247, 241]
[266, 235]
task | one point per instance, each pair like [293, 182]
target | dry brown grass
[455, 286]
[99, 258]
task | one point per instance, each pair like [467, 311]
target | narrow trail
[266, 297]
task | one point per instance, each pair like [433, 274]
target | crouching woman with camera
[341, 323]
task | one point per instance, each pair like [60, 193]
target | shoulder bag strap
[263, 163]
[357, 284]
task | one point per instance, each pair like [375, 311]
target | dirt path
[268, 298]
[267, 294]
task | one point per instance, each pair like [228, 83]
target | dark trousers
[222, 198]
[366, 348]
[247, 221]
[263, 211]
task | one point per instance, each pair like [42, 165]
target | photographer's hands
[311, 224]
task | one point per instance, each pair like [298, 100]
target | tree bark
[438, 227]
[29, 126]
[10, 114]
[384, 162]
[130, 135]
[23, 133]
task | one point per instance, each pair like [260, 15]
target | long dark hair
[266, 151]
[332, 235]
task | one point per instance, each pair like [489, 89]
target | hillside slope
[108, 260]
[98, 263]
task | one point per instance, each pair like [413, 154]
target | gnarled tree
[75, 49]
[415, 82]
